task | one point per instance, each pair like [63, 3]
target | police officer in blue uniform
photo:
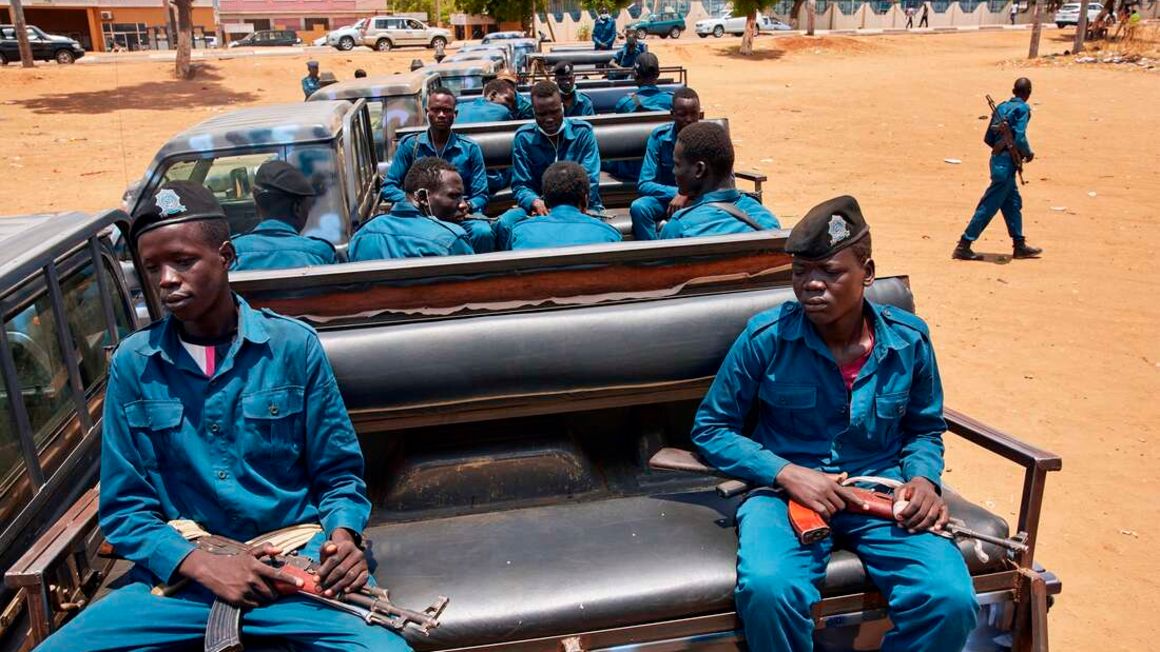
[703, 171]
[1003, 193]
[626, 56]
[656, 186]
[576, 103]
[603, 30]
[646, 70]
[282, 196]
[838, 385]
[567, 222]
[522, 109]
[495, 105]
[311, 82]
[424, 223]
[230, 417]
[441, 142]
[551, 138]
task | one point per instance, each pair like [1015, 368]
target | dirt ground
[1061, 351]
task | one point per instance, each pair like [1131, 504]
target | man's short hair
[861, 249]
[360, 73]
[685, 93]
[442, 90]
[543, 89]
[495, 86]
[565, 183]
[426, 173]
[708, 142]
[214, 232]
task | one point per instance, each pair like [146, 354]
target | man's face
[689, 175]
[189, 274]
[447, 202]
[549, 112]
[685, 112]
[830, 288]
[630, 38]
[566, 81]
[312, 71]
[441, 111]
[505, 96]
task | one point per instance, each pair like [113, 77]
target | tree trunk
[750, 29]
[794, 12]
[183, 68]
[1036, 31]
[22, 34]
[811, 13]
[1081, 28]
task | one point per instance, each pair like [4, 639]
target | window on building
[315, 23]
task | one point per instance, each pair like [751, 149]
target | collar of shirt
[405, 209]
[648, 89]
[166, 343]
[727, 195]
[273, 226]
[452, 142]
[566, 134]
[567, 212]
[800, 328]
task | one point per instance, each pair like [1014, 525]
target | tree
[503, 10]
[183, 67]
[1036, 30]
[22, 34]
[811, 13]
[1082, 27]
[749, 8]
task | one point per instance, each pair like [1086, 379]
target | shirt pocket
[791, 408]
[152, 424]
[274, 423]
[888, 412]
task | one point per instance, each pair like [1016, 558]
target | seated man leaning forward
[703, 170]
[496, 105]
[282, 197]
[424, 223]
[229, 417]
[657, 187]
[566, 224]
[549, 139]
[881, 414]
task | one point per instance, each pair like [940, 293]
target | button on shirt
[460, 151]
[481, 110]
[533, 152]
[701, 219]
[656, 171]
[647, 98]
[405, 232]
[563, 226]
[275, 244]
[261, 444]
[890, 424]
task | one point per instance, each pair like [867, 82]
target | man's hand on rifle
[344, 565]
[924, 510]
[815, 490]
[242, 580]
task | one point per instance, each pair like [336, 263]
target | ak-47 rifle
[223, 631]
[809, 525]
[1005, 140]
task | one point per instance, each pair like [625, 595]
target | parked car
[665, 24]
[268, 38]
[45, 47]
[385, 32]
[1068, 14]
[726, 23]
[345, 38]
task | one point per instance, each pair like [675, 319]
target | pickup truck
[509, 471]
[665, 24]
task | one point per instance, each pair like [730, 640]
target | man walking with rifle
[1006, 135]
[231, 418]
[838, 385]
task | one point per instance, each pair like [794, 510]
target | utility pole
[22, 34]
[1081, 28]
[1036, 30]
[217, 24]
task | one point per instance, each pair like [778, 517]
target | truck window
[40, 368]
[230, 178]
[15, 487]
[329, 214]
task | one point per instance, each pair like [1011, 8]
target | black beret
[283, 177]
[827, 228]
[562, 68]
[647, 65]
[173, 203]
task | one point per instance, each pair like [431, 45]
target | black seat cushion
[566, 568]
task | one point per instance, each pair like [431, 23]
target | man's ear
[228, 253]
[700, 170]
[869, 267]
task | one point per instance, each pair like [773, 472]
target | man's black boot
[963, 251]
[1024, 250]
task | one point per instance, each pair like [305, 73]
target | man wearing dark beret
[576, 103]
[838, 385]
[229, 417]
[282, 196]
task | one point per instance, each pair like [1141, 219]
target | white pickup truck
[735, 25]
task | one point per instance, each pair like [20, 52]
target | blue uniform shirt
[626, 59]
[264, 443]
[890, 424]
[647, 98]
[1018, 114]
[405, 232]
[581, 106]
[604, 34]
[481, 110]
[533, 152]
[699, 219]
[656, 171]
[563, 226]
[274, 244]
[309, 85]
[460, 151]
[524, 110]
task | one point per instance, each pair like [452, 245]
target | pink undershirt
[850, 369]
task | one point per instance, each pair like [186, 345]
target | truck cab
[394, 102]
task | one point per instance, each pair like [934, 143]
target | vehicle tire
[64, 57]
[719, 31]
[675, 32]
[703, 35]
[346, 44]
[383, 45]
[640, 34]
[3, 59]
[437, 41]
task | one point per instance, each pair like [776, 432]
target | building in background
[98, 25]
[310, 18]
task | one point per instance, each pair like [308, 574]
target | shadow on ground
[758, 55]
[204, 89]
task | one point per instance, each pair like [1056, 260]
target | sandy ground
[1055, 351]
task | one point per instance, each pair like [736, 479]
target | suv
[1068, 14]
[665, 24]
[385, 32]
[735, 25]
[345, 38]
[45, 47]
[268, 37]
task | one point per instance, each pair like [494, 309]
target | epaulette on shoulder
[324, 241]
[134, 341]
[580, 123]
[297, 322]
[767, 319]
[896, 315]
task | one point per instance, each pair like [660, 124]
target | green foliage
[746, 7]
[501, 10]
[613, 5]
[447, 7]
[584, 32]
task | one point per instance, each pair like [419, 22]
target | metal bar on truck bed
[23, 425]
[68, 346]
[104, 289]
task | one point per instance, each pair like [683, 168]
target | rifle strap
[737, 213]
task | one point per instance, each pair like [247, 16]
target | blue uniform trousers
[1001, 195]
[645, 213]
[925, 581]
[503, 227]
